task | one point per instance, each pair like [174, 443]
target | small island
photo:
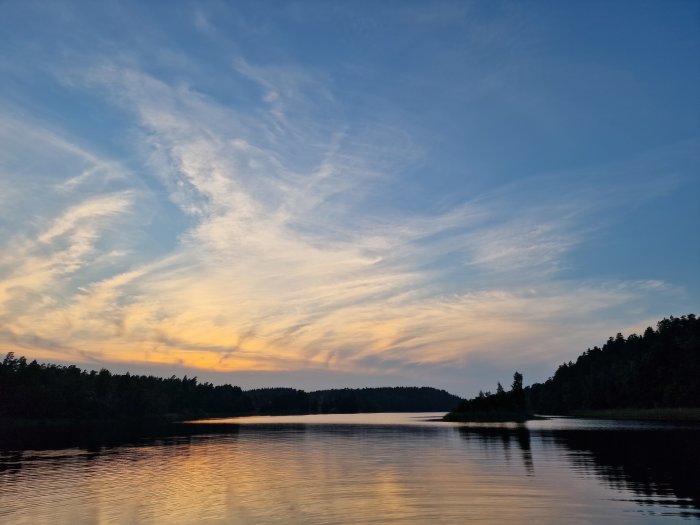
[499, 407]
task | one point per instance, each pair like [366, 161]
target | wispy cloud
[280, 254]
[276, 272]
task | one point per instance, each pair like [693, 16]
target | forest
[659, 369]
[47, 391]
[352, 400]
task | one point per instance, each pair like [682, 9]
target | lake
[352, 469]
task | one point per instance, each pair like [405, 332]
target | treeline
[660, 368]
[352, 400]
[33, 390]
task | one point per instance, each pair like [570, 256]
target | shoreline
[642, 414]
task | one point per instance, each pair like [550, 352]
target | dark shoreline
[642, 414]
[638, 414]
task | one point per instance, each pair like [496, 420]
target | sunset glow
[318, 195]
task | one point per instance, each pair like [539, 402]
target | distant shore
[646, 414]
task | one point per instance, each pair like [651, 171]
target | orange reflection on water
[359, 468]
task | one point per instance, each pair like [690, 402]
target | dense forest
[33, 390]
[351, 400]
[660, 368]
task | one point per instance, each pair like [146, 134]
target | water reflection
[507, 437]
[659, 464]
[349, 472]
[93, 437]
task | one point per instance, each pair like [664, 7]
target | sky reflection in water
[361, 468]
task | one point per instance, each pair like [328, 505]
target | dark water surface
[354, 469]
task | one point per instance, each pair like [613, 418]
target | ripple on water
[389, 469]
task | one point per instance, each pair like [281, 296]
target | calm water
[361, 468]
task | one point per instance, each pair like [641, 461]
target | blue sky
[319, 194]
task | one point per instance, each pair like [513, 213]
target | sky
[324, 194]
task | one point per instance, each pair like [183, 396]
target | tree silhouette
[501, 406]
[33, 390]
[659, 369]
